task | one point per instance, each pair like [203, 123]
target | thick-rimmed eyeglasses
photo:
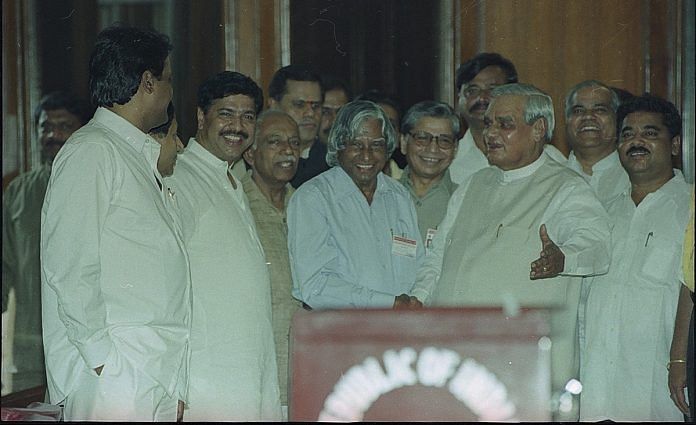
[423, 139]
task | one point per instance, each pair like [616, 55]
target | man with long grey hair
[352, 231]
[487, 249]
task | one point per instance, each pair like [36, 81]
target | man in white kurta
[590, 113]
[630, 313]
[116, 311]
[233, 363]
[486, 252]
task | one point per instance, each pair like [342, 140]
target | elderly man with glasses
[429, 134]
[353, 235]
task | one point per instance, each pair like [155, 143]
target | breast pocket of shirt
[658, 258]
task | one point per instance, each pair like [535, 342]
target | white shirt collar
[520, 173]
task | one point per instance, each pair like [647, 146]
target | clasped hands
[406, 302]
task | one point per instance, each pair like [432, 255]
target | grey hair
[570, 97]
[538, 105]
[348, 122]
[430, 109]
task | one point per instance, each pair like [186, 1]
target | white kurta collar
[609, 161]
[206, 156]
[135, 138]
[520, 173]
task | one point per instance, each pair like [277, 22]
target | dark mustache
[637, 149]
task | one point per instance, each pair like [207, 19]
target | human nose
[308, 110]
[179, 145]
[433, 144]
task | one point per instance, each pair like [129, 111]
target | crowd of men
[167, 287]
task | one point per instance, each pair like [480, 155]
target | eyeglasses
[470, 91]
[423, 140]
[373, 146]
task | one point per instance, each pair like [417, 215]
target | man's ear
[539, 130]
[273, 104]
[676, 145]
[248, 155]
[402, 143]
[200, 115]
[147, 82]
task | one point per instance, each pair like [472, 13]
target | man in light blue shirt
[353, 234]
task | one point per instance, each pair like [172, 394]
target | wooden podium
[420, 365]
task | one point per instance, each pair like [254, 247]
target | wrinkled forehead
[369, 127]
[592, 95]
[277, 124]
[506, 105]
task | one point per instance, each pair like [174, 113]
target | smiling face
[511, 143]
[276, 152]
[365, 155]
[646, 148]
[591, 123]
[429, 161]
[227, 129]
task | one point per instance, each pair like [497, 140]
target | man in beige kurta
[273, 160]
[522, 232]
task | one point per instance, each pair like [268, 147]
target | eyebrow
[244, 111]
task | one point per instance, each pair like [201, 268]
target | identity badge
[403, 246]
[429, 236]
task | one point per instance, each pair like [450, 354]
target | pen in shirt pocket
[648, 238]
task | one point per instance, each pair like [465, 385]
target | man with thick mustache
[233, 374]
[590, 111]
[273, 160]
[297, 91]
[475, 80]
[521, 232]
[56, 118]
[631, 310]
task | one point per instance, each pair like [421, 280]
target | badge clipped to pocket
[403, 246]
[429, 236]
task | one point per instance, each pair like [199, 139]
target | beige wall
[555, 44]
